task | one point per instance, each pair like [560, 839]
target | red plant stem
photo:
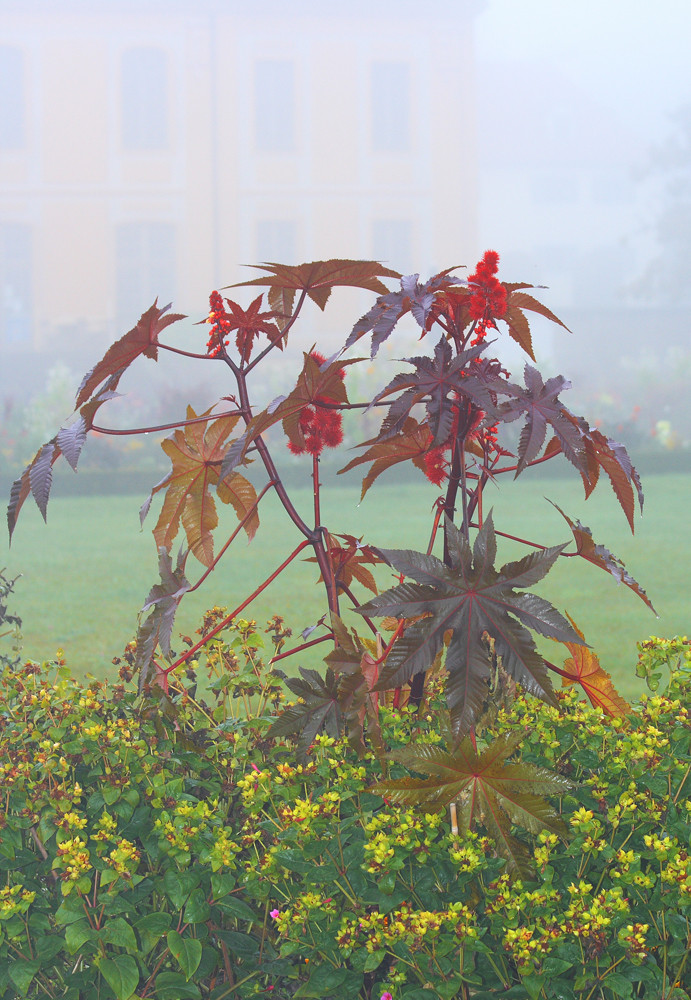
[397, 631]
[316, 485]
[314, 537]
[435, 527]
[299, 649]
[351, 597]
[558, 670]
[284, 333]
[241, 525]
[187, 354]
[167, 427]
[537, 461]
[219, 628]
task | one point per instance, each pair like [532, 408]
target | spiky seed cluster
[321, 426]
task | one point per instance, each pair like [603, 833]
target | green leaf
[173, 986]
[121, 974]
[618, 984]
[69, 911]
[533, 985]
[234, 907]
[197, 909]
[151, 929]
[186, 950]
[77, 934]
[178, 885]
[242, 945]
[118, 932]
[326, 981]
[48, 946]
[22, 973]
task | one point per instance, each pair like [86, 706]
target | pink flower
[386, 996]
[275, 914]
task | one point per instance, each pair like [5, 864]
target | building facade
[153, 148]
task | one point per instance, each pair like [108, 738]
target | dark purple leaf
[463, 603]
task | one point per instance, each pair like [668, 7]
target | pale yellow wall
[75, 184]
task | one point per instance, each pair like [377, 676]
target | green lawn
[87, 572]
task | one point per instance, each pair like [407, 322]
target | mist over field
[154, 149]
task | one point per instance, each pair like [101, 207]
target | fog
[154, 149]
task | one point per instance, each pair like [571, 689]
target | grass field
[86, 573]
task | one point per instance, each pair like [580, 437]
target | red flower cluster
[436, 465]
[220, 325]
[321, 427]
[488, 296]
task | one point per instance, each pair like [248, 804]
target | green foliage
[189, 856]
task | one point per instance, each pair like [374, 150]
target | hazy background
[154, 148]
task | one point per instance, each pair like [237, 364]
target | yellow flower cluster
[587, 914]
[184, 825]
[106, 827]
[305, 906]
[305, 811]
[402, 833]
[530, 943]
[223, 851]
[633, 938]
[414, 928]
[73, 858]
[13, 900]
[124, 858]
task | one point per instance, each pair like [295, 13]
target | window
[15, 283]
[392, 243]
[276, 241]
[274, 106]
[11, 98]
[390, 107]
[145, 268]
[144, 99]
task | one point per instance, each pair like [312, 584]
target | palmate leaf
[319, 276]
[348, 561]
[315, 382]
[141, 339]
[164, 599]
[318, 708]
[420, 299]
[464, 601]
[601, 557]
[249, 323]
[196, 452]
[357, 671]
[440, 382]
[603, 452]
[410, 445]
[37, 478]
[540, 404]
[516, 303]
[489, 788]
[583, 667]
